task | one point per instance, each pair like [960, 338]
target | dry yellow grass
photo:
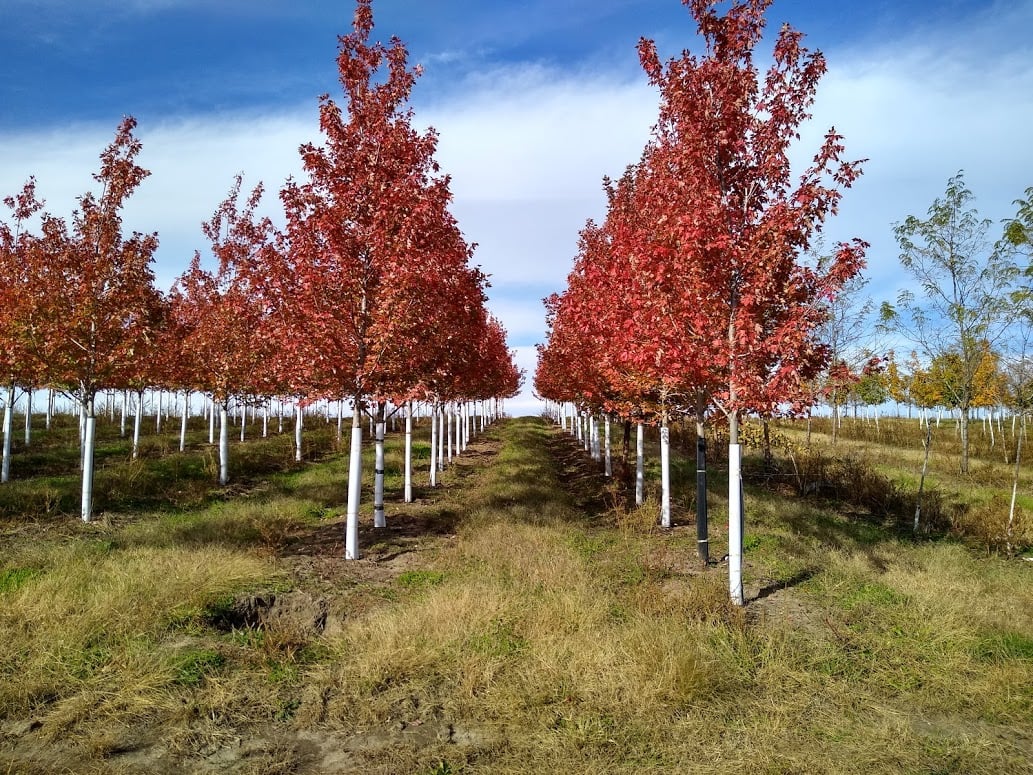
[540, 638]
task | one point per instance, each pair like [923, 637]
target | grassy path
[510, 622]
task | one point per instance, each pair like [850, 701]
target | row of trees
[964, 317]
[694, 296]
[367, 294]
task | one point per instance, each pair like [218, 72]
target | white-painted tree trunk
[464, 415]
[211, 421]
[351, 538]
[609, 460]
[157, 415]
[640, 472]
[279, 426]
[243, 419]
[137, 421]
[50, 410]
[28, 417]
[665, 475]
[123, 414]
[89, 437]
[408, 453]
[448, 422]
[378, 470]
[5, 465]
[183, 421]
[265, 421]
[459, 429]
[434, 446]
[224, 443]
[340, 421]
[441, 438]
[735, 524]
[299, 419]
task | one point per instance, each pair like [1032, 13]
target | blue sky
[534, 100]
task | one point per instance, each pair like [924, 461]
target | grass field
[521, 618]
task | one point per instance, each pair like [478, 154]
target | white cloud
[920, 109]
[527, 147]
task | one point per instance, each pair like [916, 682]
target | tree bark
[378, 469]
[5, 466]
[407, 496]
[351, 539]
[640, 477]
[28, 417]
[183, 421]
[702, 524]
[925, 468]
[1014, 492]
[665, 473]
[963, 422]
[137, 421]
[224, 443]
[89, 438]
[299, 424]
[434, 445]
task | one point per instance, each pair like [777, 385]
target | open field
[521, 618]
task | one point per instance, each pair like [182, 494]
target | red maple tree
[370, 243]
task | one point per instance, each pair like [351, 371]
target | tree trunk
[89, 437]
[378, 467]
[28, 417]
[351, 539]
[265, 422]
[1014, 491]
[123, 414]
[5, 467]
[441, 437]
[183, 421]
[963, 412]
[625, 446]
[243, 419]
[459, 429]
[921, 479]
[50, 410]
[665, 473]
[702, 525]
[434, 445]
[224, 443]
[640, 473]
[211, 421]
[735, 504]
[608, 460]
[157, 415]
[137, 421]
[407, 496]
[448, 422]
[299, 424]
[735, 512]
